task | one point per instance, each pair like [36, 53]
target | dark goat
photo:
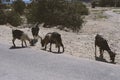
[18, 34]
[52, 38]
[103, 45]
[35, 30]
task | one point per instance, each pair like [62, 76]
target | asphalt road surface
[28, 64]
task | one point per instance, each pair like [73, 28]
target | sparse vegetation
[109, 3]
[99, 14]
[116, 11]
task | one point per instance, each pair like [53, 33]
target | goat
[35, 30]
[52, 38]
[103, 45]
[18, 34]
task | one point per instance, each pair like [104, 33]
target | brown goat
[52, 38]
[103, 45]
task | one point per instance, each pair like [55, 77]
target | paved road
[27, 64]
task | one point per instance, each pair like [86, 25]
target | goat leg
[58, 49]
[62, 46]
[101, 53]
[95, 52]
[13, 42]
[22, 44]
[45, 47]
[25, 43]
[50, 46]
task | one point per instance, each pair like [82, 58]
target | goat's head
[112, 56]
[33, 42]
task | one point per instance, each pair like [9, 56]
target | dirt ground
[104, 21]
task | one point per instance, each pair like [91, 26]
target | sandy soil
[102, 21]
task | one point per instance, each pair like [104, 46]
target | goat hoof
[14, 46]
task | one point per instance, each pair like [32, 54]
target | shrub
[19, 6]
[13, 18]
[8, 16]
[57, 12]
[110, 3]
[3, 18]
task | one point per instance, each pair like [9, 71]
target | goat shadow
[53, 51]
[17, 47]
[102, 60]
[57, 52]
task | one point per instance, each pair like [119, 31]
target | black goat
[52, 38]
[18, 34]
[103, 45]
[35, 30]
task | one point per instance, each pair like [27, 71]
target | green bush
[19, 6]
[110, 3]
[3, 18]
[10, 17]
[79, 8]
[57, 12]
[7, 16]
[13, 18]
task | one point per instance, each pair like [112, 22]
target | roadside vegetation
[106, 3]
[9, 14]
[117, 11]
[99, 13]
[64, 14]
[109, 3]
[57, 12]
[19, 6]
